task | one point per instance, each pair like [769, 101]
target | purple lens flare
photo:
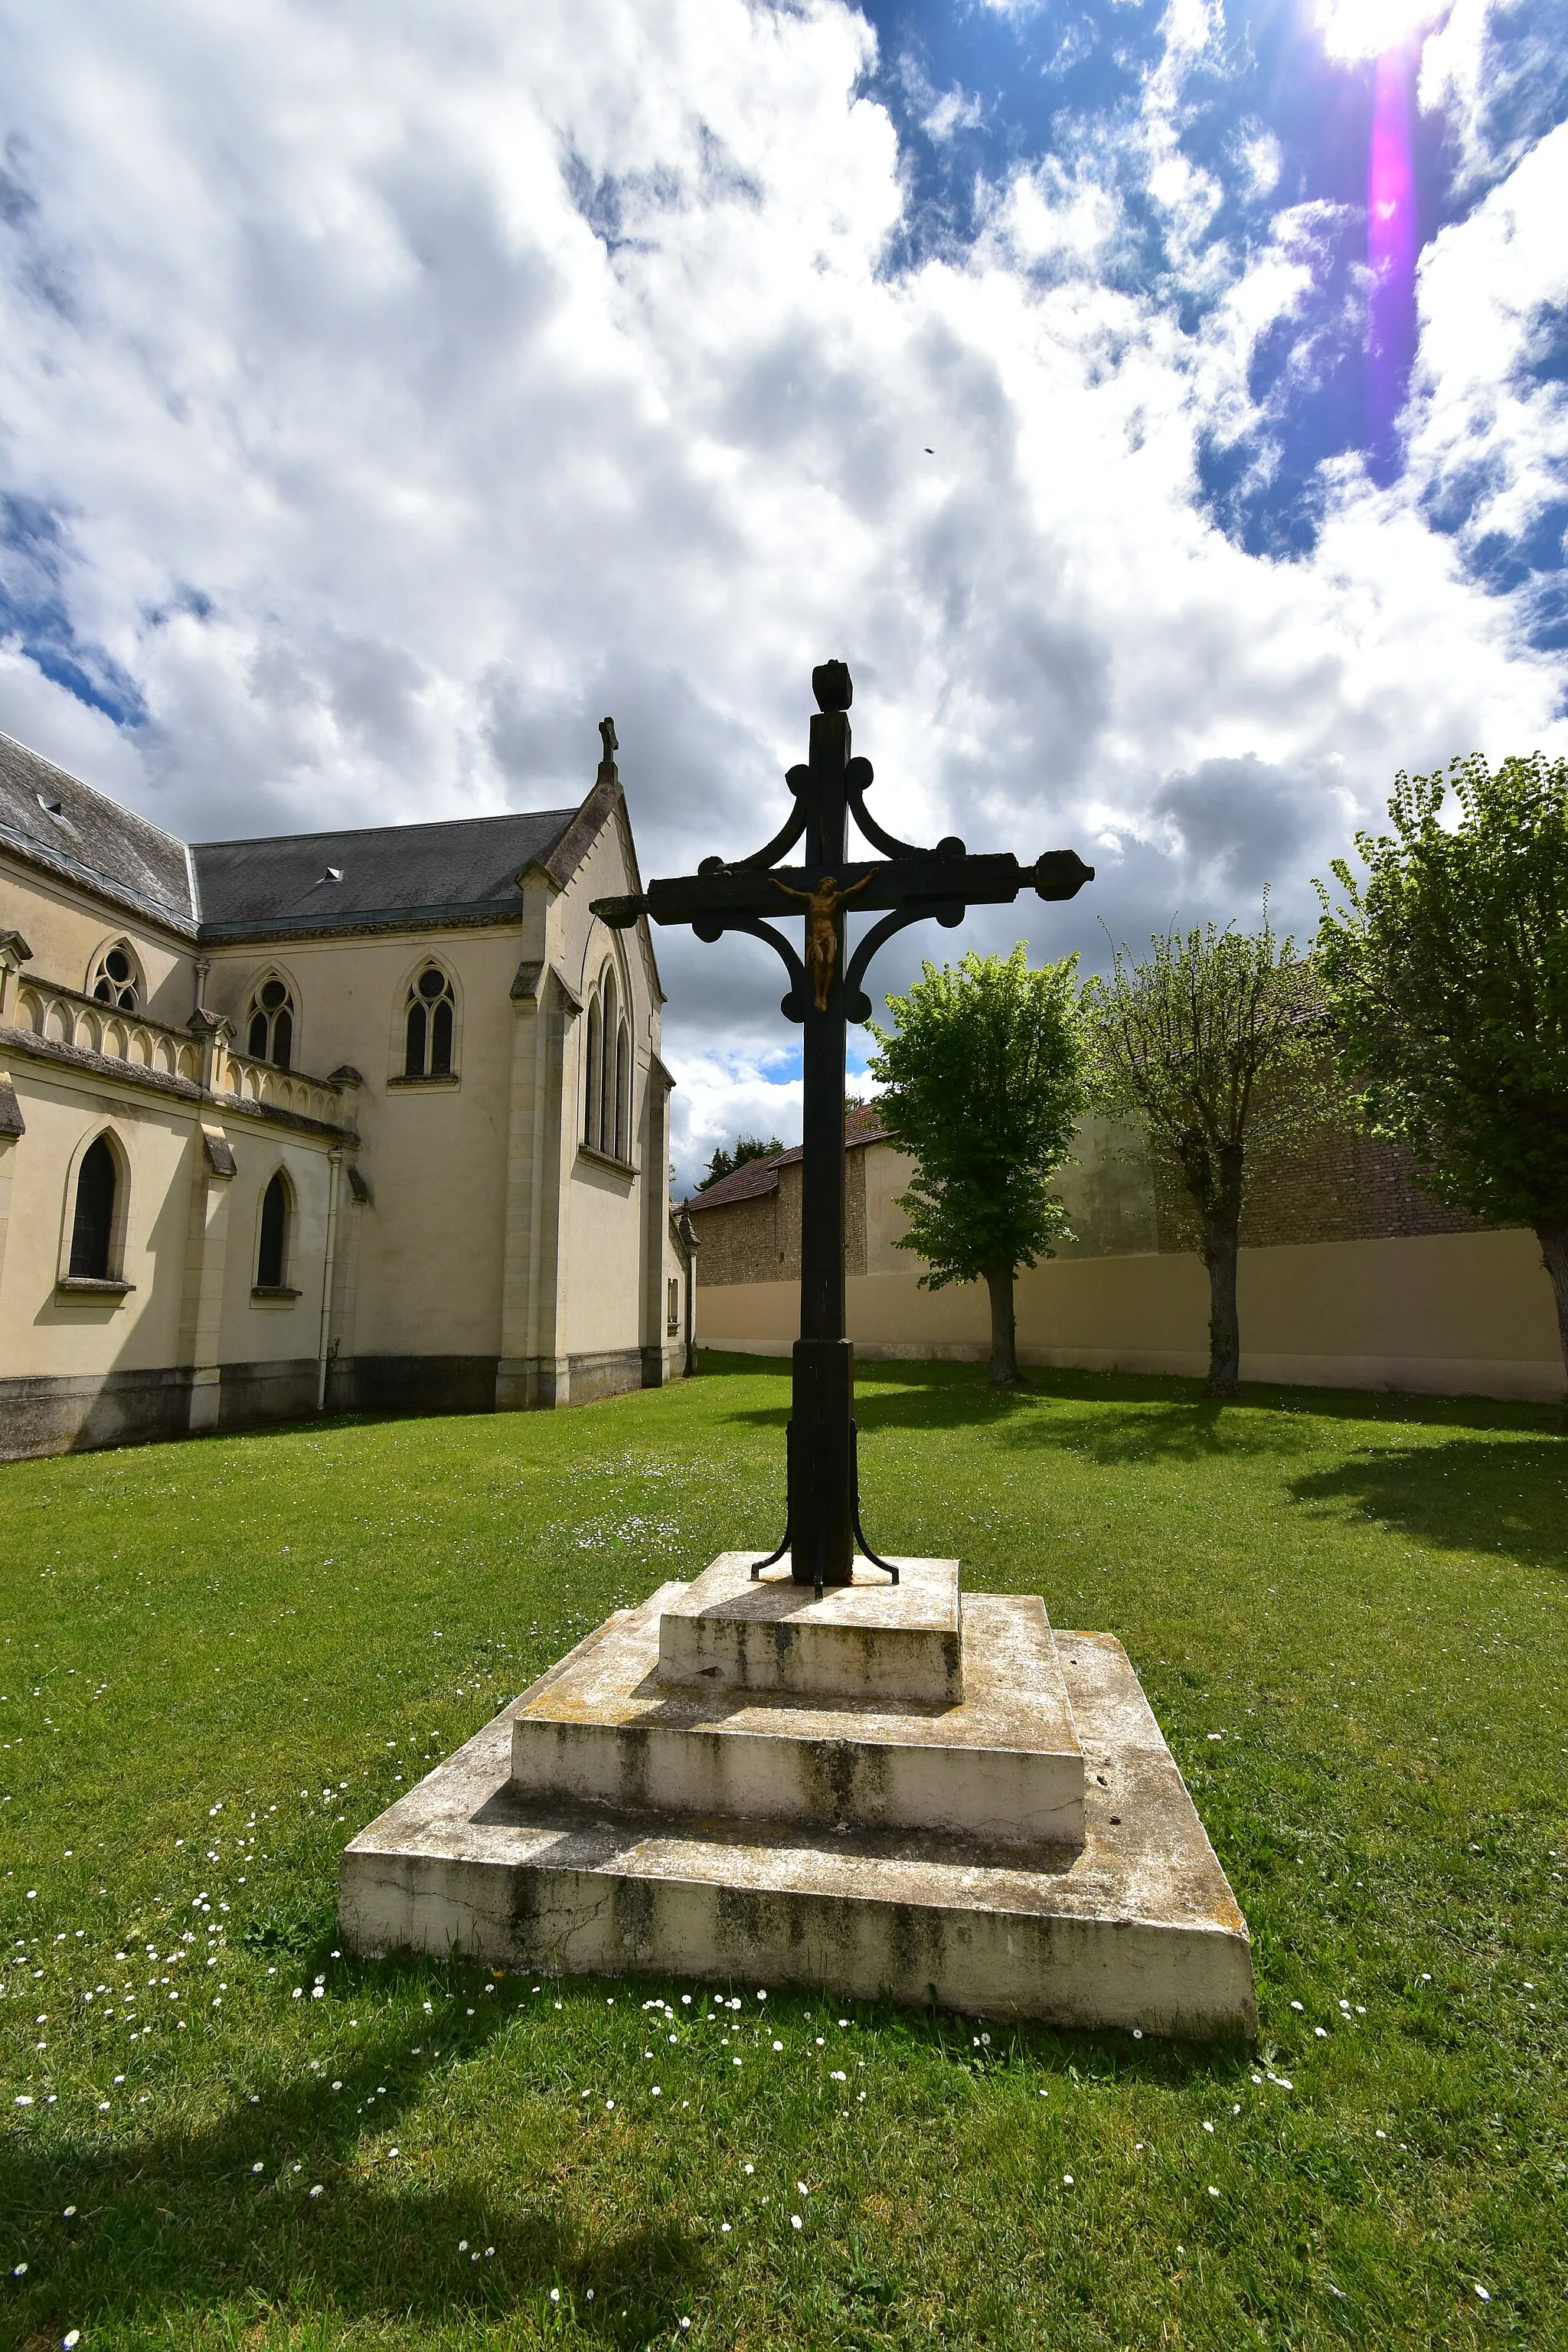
[1392, 244]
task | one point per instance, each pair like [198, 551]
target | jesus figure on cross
[822, 906]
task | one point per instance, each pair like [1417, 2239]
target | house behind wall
[380, 1117]
[1350, 1275]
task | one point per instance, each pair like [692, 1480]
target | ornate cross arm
[918, 882]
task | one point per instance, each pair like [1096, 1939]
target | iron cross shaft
[906, 885]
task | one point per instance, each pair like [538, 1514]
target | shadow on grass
[182, 2223]
[1466, 1495]
[1140, 1415]
[178, 2221]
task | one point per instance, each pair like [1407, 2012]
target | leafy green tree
[1447, 969]
[1216, 1043]
[747, 1146]
[983, 1085]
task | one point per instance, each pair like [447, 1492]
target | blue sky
[978, 92]
[387, 392]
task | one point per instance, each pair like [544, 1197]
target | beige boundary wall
[1448, 1314]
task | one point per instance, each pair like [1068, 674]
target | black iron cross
[906, 886]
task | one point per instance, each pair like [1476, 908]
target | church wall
[67, 928]
[47, 1334]
[434, 1154]
[263, 1331]
[416, 1310]
[432, 1151]
[604, 1246]
[82, 1368]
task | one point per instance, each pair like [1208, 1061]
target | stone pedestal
[891, 1791]
[868, 1640]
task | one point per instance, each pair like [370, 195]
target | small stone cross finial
[607, 772]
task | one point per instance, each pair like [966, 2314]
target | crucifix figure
[822, 907]
[906, 885]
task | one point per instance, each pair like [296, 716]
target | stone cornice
[490, 915]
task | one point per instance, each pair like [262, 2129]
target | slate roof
[411, 870]
[57, 821]
[862, 1125]
[464, 869]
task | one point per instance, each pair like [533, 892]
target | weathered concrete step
[1138, 1927]
[871, 1639]
[1004, 1768]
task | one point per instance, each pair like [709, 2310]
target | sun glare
[1369, 28]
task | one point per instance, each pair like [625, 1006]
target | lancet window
[428, 1026]
[92, 1221]
[623, 1143]
[269, 1025]
[607, 1075]
[273, 1236]
[593, 1073]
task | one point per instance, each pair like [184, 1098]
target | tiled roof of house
[747, 1184]
[862, 1125]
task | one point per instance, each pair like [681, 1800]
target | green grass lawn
[221, 1659]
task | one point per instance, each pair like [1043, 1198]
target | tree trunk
[1553, 1240]
[1221, 1244]
[1004, 1334]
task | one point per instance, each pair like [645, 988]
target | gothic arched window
[605, 1138]
[607, 1073]
[594, 1075]
[92, 1223]
[116, 978]
[269, 1029]
[272, 1242]
[428, 1022]
[623, 1147]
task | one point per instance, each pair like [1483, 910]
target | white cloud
[722, 1097]
[1051, 213]
[1480, 70]
[954, 110]
[410, 391]
[1366, 29]
[1487, 433]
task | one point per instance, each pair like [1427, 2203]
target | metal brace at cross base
[905, 885]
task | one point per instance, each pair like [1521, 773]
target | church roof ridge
[426, 872]
[342, 877]
[365, 832]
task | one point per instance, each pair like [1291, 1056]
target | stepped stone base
[1030, 1850]
[1004, 1766]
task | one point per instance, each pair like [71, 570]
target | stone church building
[371, 1120]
